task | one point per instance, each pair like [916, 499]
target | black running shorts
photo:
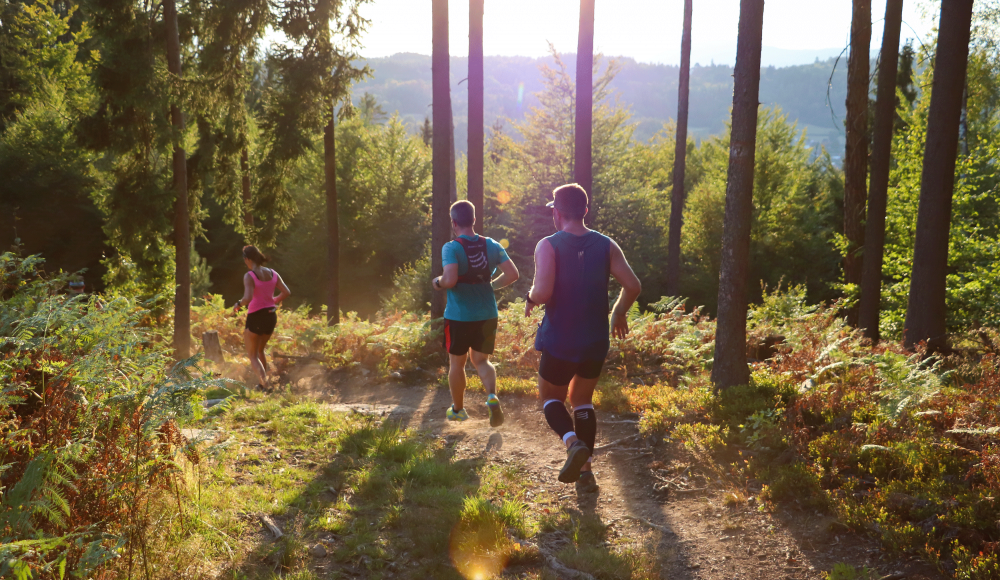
[262, 321]
[560, 372]
[460, 336]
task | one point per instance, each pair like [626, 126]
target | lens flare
[504, 243]
[503, 197]
[520, 96]
[477, 549]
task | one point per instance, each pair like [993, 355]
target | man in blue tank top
[572, 271]
[470, 317]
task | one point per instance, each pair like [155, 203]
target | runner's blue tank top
[575, 327]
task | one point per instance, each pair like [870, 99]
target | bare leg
[456, 379]
[261, 343]
[581, 392]
[250, 341]
[487, 372]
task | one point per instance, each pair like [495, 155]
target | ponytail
[254, 255]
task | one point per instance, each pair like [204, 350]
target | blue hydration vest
[575, 327]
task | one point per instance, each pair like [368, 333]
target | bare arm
[448, 279]
[247, 292]
[283, 291]
[631, 287]
[545, 276]
[508, 275]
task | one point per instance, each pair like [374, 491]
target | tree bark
[856, 153]
[885, 118]
[925, 313]
[476, 129]
[730, 367]
[332, 222]
[441, 147]
[247, 196]
[680, 156]
[182, 224]
[583, 160]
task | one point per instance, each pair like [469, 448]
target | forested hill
[402, 83]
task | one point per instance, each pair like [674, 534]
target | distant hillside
[402, 83]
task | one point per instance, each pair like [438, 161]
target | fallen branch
[561, 570]
[622, 422]
[269, 523]
[651, 524]
[616, 443]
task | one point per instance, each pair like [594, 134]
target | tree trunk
[476, 139]
[441, 147]
[332, 222]
[680, 155]
[182, 224]
[885, 117]
[856, 153]
[925, 313]
[452, 176]
[730, 367]
[247, 197]
[583, 162]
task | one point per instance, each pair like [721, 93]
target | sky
[795, 31]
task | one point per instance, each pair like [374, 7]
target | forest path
[694, 535]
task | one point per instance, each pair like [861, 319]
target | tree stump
[213, 348]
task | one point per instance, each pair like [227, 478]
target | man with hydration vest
[470, 317]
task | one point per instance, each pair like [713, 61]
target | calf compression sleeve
[585, 419]
[558, 418]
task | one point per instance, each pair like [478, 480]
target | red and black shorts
[460, 336]
[560, 372]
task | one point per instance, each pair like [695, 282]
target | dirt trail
[696, 535]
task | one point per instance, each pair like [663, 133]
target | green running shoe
[496, 413]
[454, 415]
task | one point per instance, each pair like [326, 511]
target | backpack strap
[476, 253]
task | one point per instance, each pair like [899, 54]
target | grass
[383, 502]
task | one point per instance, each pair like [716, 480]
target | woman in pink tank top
[258, 291]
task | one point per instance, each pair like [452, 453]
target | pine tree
[680, 156]
[476, 129]
[442, 138]
[583, 153]
[925, 312]
[730, 367]
[856, 153]
[885, 117]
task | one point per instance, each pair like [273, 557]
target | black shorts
[560, 372]
[460, 336]
[262, 321]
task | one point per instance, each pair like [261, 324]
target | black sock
[558, 417]
[585, 420]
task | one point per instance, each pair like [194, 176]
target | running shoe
[496, 413]
[576, 457]
[454, 415]
[587, 483]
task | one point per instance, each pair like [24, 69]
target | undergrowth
[88, 438]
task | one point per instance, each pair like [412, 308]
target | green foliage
[383, 185]
[87, 416]
[794, 218]
[973, 275]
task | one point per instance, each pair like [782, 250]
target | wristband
[436, 283]
[527, 298]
